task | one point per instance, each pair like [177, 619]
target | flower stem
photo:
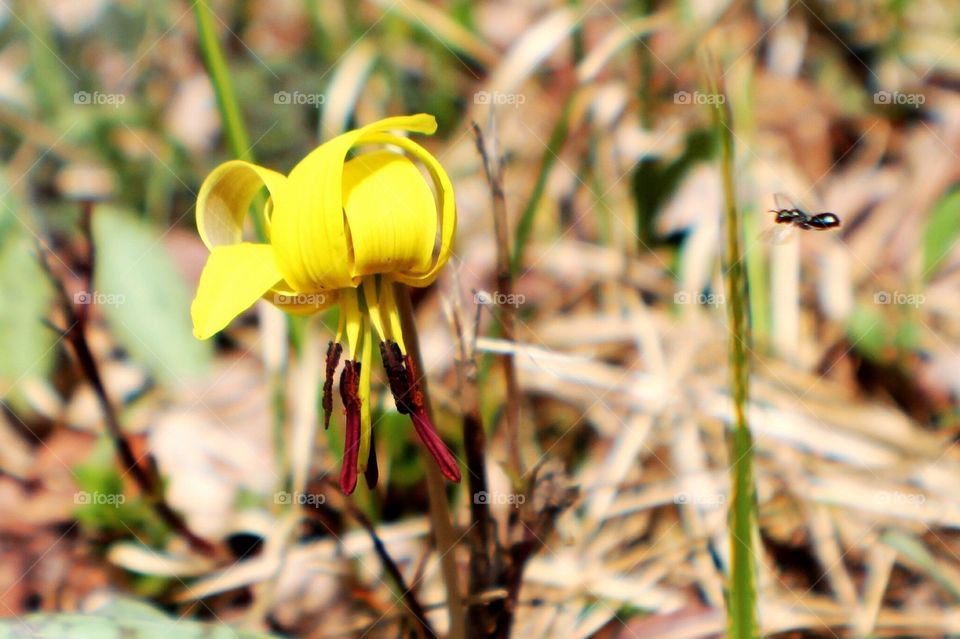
[436, 485]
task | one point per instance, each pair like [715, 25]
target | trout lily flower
[340, 231]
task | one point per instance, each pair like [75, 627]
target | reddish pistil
[350, 395]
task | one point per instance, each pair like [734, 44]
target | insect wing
[778, 234]
[784, 202]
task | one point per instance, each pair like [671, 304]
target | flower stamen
[333, 360]
[350, 396]
[408, 396]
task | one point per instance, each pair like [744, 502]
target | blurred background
[601, 118]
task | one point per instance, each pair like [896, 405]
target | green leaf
[25, 295]
[101, 503]
[144, 298]
[940, 234]
[911, 548]
[121, 619]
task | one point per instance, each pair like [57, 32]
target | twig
[541, 489]
[75, 334]
[407, 594]
[493, 167]
[483, 542]
[436, 485]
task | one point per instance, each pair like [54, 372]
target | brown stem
[493, 167]
[483, 544]
[534, 527]
[75, 335]
[409, 597]
[436, 486]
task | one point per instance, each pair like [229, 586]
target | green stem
[742, 595]
[222, 83]
[436, 485]
[46, 68]
[227, 103]
[550, 156]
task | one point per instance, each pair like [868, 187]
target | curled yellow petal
[308, 228]
[232, 280]
[445, 202]
[225, 198]
[391, 214]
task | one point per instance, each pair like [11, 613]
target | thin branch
[493, 167]
[483, 542]
[75, 335]
[407, 594]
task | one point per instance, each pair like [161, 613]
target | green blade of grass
[237, 138]
[913, 549]
[46, 66]
[741, 596]
[758, 296]
[550, 156]
[233, 126]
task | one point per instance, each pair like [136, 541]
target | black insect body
[790, 215]
[823, 221]
[804, 220]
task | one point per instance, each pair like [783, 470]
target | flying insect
[789, 213]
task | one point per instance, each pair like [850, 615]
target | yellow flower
[339, 232]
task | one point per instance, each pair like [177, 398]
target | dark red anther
[393, 362]
[333, 359]
[350, 395]
[438, 450]
[408, 396]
